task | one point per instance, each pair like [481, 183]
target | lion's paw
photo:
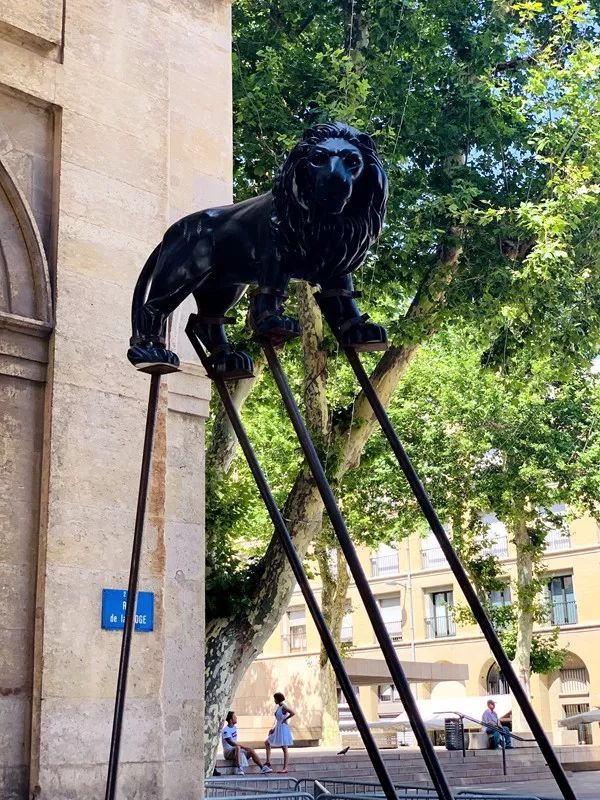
[276, 330]
[365, 337]
[152, 359]
[231, 365]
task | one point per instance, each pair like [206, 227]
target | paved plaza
[586, 786]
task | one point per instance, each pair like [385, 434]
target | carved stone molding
[24, 277]
[36, 24]
[25, 297]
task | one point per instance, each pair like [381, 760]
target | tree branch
[514, 63]
[223, 441]
[521, 61]
[394, 362]
[304, 24]
[315, 362]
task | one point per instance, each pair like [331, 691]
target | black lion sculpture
[325, 210]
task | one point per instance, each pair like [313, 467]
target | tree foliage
[482, 113]
[486, 116]
[486, 441]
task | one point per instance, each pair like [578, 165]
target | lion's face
[331, 168]
[329, 200]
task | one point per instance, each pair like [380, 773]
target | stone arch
[446, 689]
[491, 679]
[573, 677]
[483, 673]
[25, 294]
[26, 320]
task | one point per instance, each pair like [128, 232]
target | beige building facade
[115, 119]
[416, 592]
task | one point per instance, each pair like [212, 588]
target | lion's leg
[157, 286]
[148, 348]
[336, 301]
[180, 268]
[213, 305]
[139, 294]
[267, 319]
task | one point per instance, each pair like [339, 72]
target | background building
[115, 119]
[416, 592]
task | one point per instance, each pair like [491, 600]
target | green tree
[514, 442]
[484, 113]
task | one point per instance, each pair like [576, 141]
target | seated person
[236, 752]
[489, 719]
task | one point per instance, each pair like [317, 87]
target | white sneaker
[264, 769]
[239, 771]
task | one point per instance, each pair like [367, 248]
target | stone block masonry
[115, 120]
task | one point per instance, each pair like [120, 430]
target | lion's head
[331, 183]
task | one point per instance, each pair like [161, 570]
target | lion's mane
[315, 245]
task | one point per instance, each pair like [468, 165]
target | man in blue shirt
[489, 719]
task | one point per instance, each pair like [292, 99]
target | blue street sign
[114, 606]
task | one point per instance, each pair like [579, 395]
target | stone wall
[115, 119]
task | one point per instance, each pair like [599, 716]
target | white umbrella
[434, 711]
[580, 719]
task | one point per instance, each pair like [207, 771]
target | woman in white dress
[280, 734]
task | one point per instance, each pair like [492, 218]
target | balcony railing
[563, 613]
[344, 712]
[295, 640]
[499, 547]
[384, 565]
[395, 630]
[390, 696]
[557, 540]
[433, 557]
[574, 680]
[440, 627]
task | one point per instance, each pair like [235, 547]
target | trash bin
[453, 734]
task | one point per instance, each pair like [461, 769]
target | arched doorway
[574, 677]
[25, 325]
[447, 688]
[574, 693]
[495, 681]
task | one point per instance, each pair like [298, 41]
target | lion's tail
[141, 288]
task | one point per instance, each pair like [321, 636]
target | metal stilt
[115, 742]
[461, 575]
[298, 570]
[397, 673]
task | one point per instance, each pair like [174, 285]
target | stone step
[407, 766]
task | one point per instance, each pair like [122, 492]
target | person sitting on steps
[489, 719]
[236, 752]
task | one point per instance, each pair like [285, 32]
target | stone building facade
[417, 592]
[115, 119]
